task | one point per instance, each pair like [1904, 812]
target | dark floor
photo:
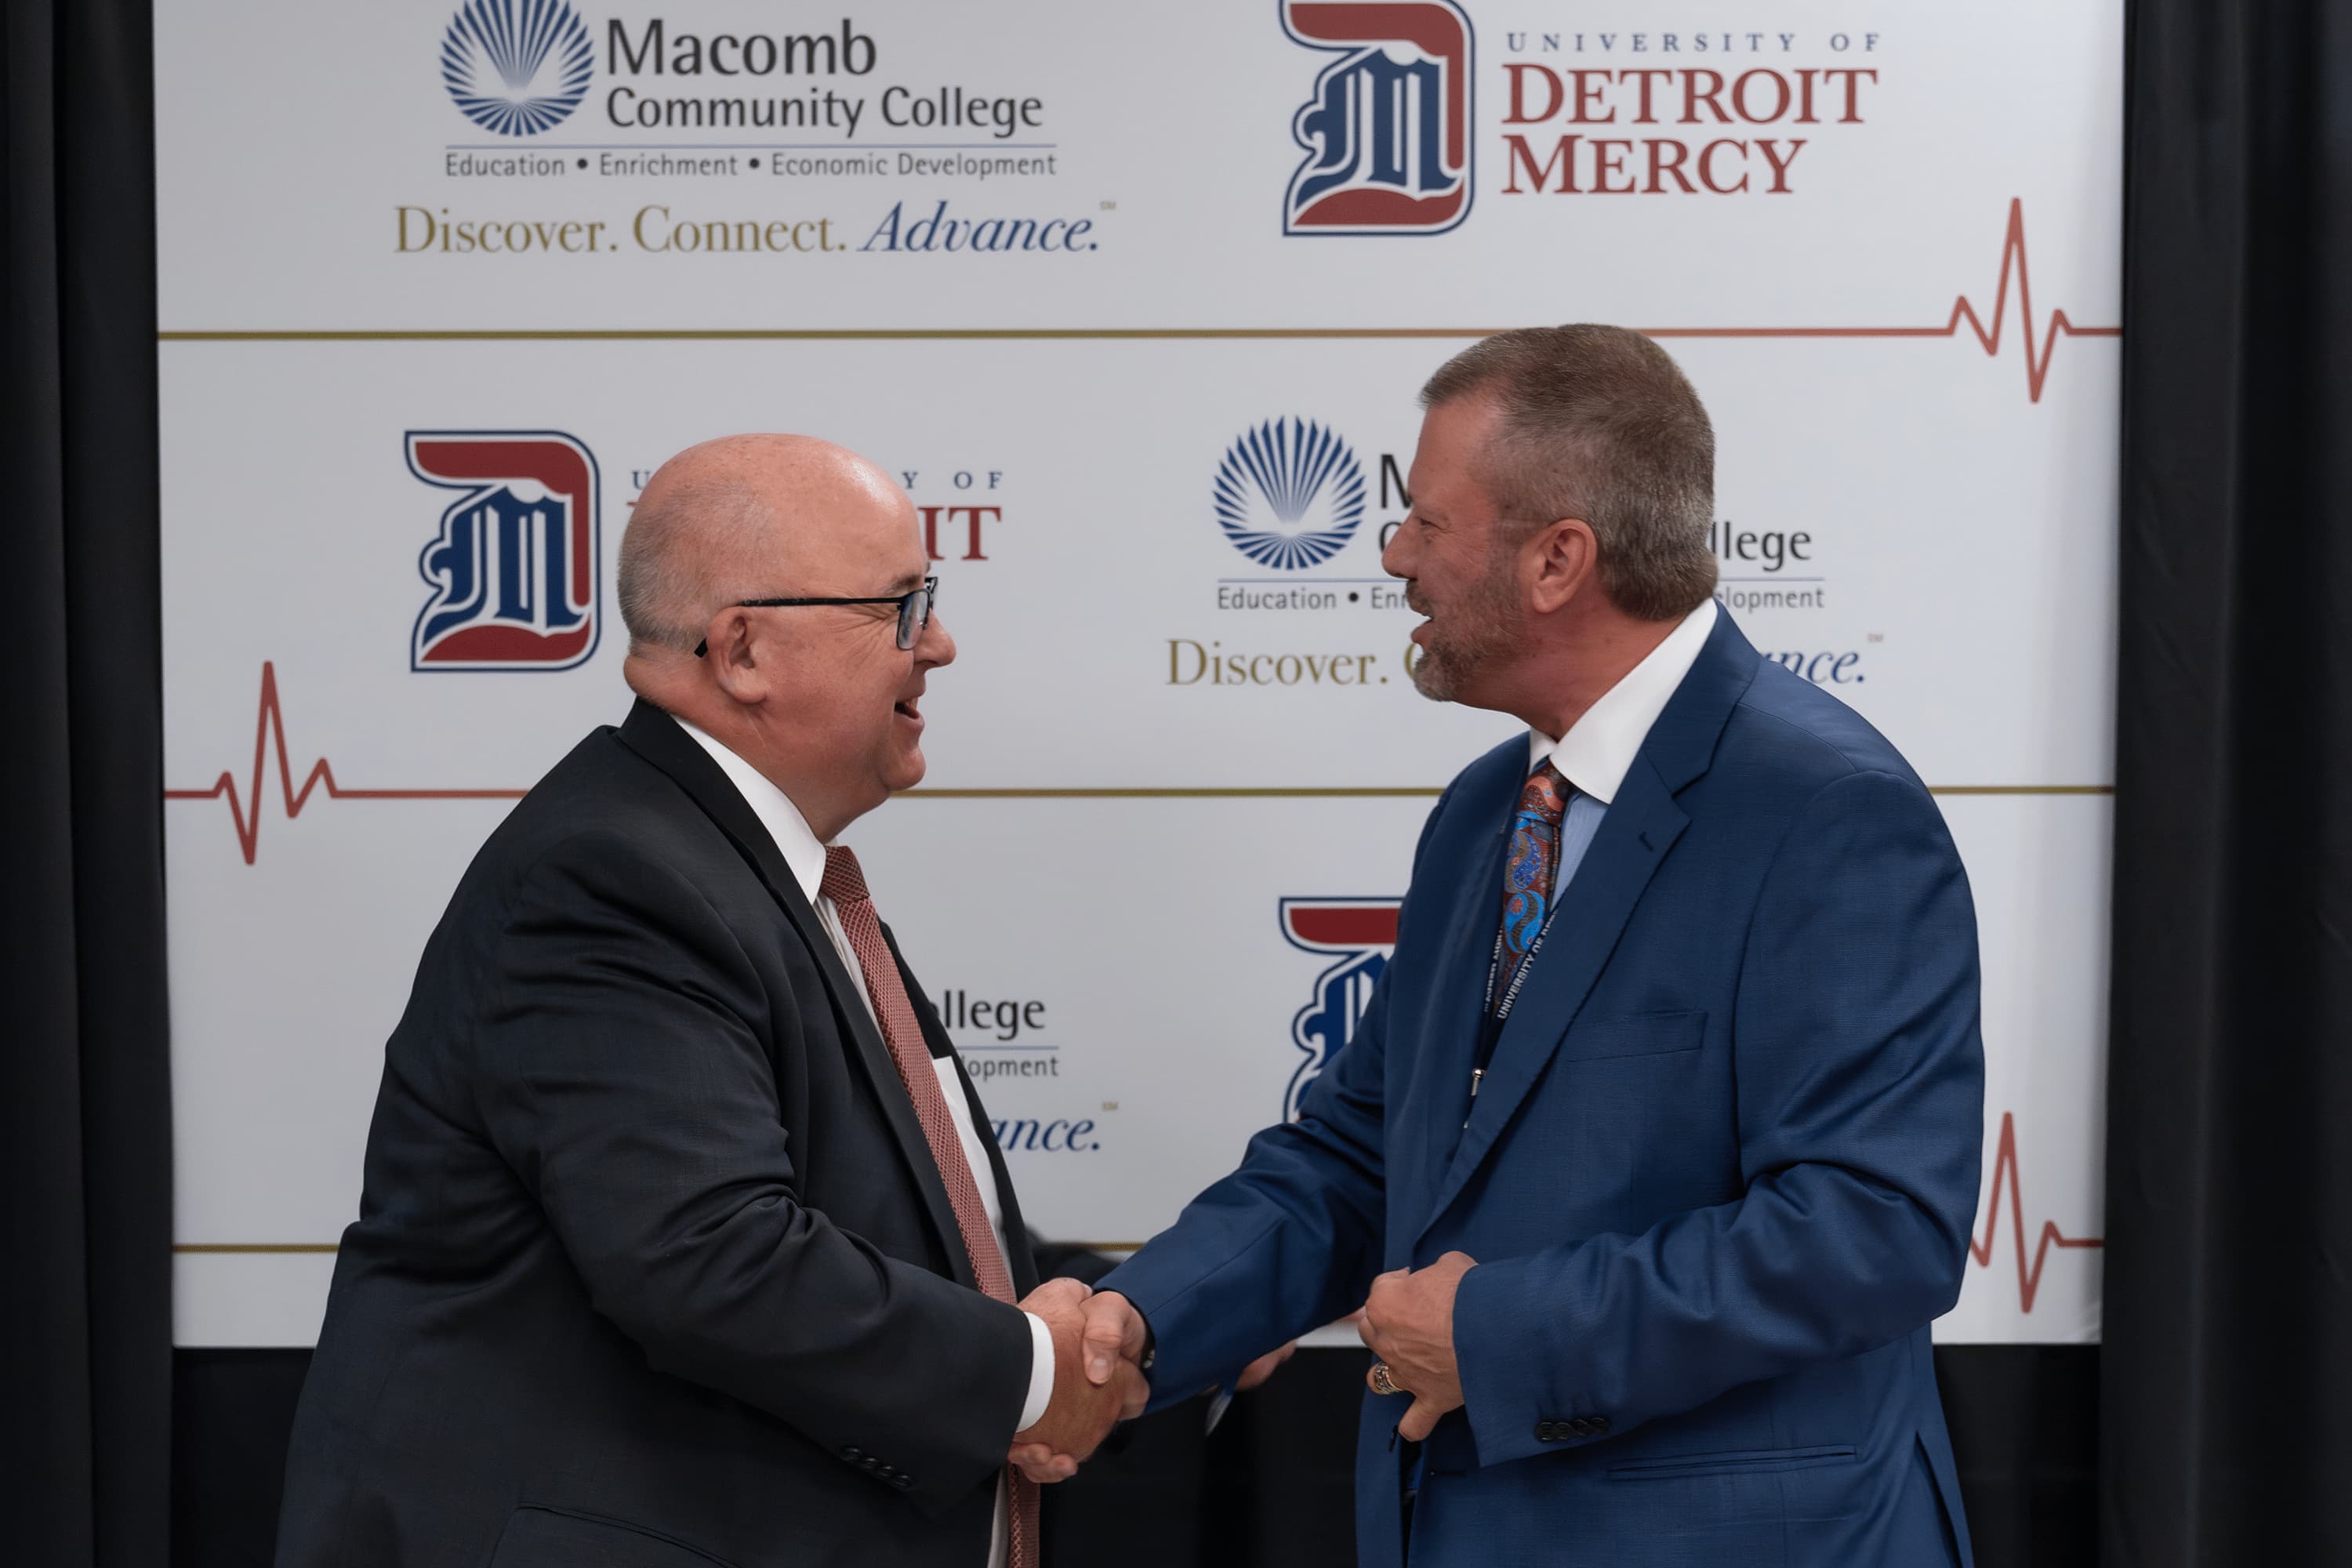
[1270, 1487]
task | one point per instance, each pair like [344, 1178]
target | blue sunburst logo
[1289, 494]
[517, 67]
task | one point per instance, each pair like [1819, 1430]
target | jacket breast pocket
[1640, 1035]
[557, 1537]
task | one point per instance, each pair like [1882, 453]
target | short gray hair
[1599, 424]
[680, 555]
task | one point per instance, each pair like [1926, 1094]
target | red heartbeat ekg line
[246, 810]
[2013, 261]
[2029, 1274]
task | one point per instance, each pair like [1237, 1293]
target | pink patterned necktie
[844, 884]
[1530, 873]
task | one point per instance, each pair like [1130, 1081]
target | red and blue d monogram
[514, 566]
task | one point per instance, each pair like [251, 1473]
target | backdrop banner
[1135, 304]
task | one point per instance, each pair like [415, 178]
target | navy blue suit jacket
[1719, 1179]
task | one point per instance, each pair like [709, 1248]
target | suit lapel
[654, 736]
[1641, 825]
[1440, 1084]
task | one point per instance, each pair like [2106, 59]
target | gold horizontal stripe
[1414, 792]
[1012, 334]
[254, 1247]
[813, 335]
[1309, 792]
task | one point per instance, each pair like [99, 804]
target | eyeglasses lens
[914, 615]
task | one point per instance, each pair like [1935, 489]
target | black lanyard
[1500, 1010]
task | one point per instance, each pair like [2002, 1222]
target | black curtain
[2227, 1379]
[85, 1091]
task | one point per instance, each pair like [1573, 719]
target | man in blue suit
[1656, 1150]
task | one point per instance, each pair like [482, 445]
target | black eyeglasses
[914, 611]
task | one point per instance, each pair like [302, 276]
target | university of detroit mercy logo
[1360, 933]
[1288, 494]
[514, 565]
[516, 68]
[1388, 131]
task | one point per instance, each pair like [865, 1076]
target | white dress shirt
[1599, 748]
[805, 856]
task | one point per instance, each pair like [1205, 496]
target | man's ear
[740, 660]
[1565, 557]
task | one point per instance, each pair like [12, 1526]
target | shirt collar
[1601, 745]
[794, 839]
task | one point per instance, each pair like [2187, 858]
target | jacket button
[1600, 1424]
[1580, 1426]
[902, 1482]
[1547, 1432]
[851, 1454]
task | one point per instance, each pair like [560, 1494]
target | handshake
[1098, 1350]
[1407, 1322]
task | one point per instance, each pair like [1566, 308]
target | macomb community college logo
[517, 67]
[513, 565]
[1361, 933]
[1388, 131]
[1289, 494]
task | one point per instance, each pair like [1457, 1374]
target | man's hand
[1408, 1320]
[1115, 1334]
[1083, 1409]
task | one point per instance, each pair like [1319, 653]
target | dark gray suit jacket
[652, 1264]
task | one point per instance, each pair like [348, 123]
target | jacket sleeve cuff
[1511, 1398]
[1169, 1380]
